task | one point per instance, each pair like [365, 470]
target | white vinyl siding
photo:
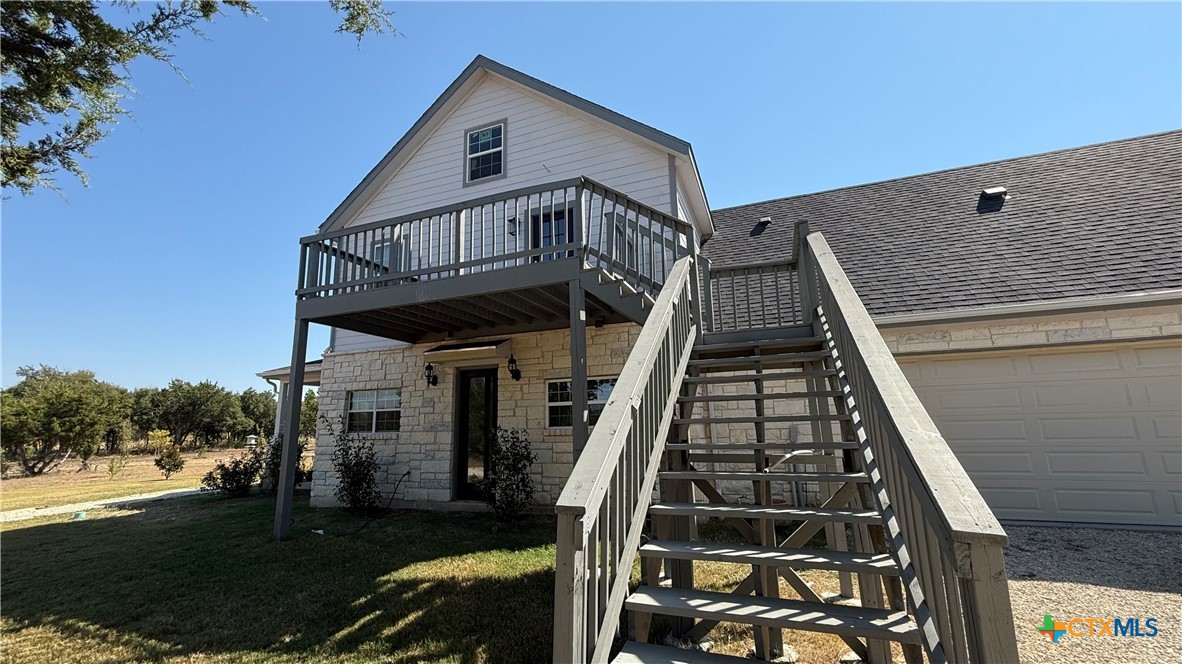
[348, 341]
[548, 143]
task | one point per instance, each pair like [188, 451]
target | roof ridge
[950, 169]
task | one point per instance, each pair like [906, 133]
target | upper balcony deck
[493, 265]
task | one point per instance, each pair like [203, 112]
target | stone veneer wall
[424, 446]
[425, 443]
[1114, 324]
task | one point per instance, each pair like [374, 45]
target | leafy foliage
[273, 462]
[509, 486]
[52, 415]
[235, 478]
[65, 71]
[147, 408]
[258, 406]
[158, 439]
[116, 464]
[356, 467]
[170, 460]
[202, 413]
[308, 415]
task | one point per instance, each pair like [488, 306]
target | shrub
[170, 460]
[356, 467]
[116, 465]
[235, 478]
[273, 461]
[509, 486]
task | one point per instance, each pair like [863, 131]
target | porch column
[291, 431]
[578, 366]
[281, 404]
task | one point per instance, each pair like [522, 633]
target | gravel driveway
[1087, 572]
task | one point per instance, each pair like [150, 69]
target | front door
[476, 425]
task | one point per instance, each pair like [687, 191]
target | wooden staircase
[773, 389]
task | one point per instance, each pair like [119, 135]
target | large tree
[146, 410]
[308, 414]
[65, 70]
[259, 407]
[52, 415]
[204, 412]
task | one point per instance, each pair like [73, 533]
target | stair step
[766, 512]
[800, 459]
[646, 653]
[797, 342]
[837, 417]
[747, 361]
[747, 378]
[770, 396]
[724, 447]
[796, 614]
[842, 561]
[759, 476]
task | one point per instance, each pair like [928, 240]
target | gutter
[1033, 309]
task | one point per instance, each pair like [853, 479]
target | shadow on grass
[202, 577]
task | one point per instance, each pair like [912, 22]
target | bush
[509, 486]
[273, 461]
[116, 465]
[170, 460]
[356, 467]
[235, 478]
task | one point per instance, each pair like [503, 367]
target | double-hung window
[372, 411]
[560, 404]
[485, 153]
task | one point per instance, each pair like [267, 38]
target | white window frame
[571, 404]
[373, 425]
[504, 125]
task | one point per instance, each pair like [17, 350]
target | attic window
[764, 221]
[993, 193]
[484, 153]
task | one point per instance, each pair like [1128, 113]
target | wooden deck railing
[748, 296]
[575, 218]
[949, 542]
[601, 511]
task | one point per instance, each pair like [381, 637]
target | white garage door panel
[1085, 435]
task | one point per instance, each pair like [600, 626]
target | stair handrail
[602, 508]
[951, 542]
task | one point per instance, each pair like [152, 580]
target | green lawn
[199, 580]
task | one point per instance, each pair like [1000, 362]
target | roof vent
[764, 221]
[993, 193]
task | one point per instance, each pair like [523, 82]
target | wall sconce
[514, 372]
[429, 374]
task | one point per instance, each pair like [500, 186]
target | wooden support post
[578, 366]
[279, 412]
[291, 449]
[769, 641]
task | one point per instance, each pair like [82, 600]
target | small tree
[116, 464]
[158, 439]
[509, 487]
[356, 466]
[170, 460]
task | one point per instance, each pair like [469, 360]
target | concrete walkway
[35, 512]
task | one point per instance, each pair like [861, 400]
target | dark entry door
[476, 425]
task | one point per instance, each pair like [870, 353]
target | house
[526, 258]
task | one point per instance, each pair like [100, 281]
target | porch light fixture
[514, 372]
[429, 374]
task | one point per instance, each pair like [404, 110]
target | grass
[199, 580]
[68, 486]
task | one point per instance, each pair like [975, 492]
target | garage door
[1085, 434]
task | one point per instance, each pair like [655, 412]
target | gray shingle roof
[1092, 221]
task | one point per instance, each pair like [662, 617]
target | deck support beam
[578, 366]
[291, 425]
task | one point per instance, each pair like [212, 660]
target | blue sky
[179, 260]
